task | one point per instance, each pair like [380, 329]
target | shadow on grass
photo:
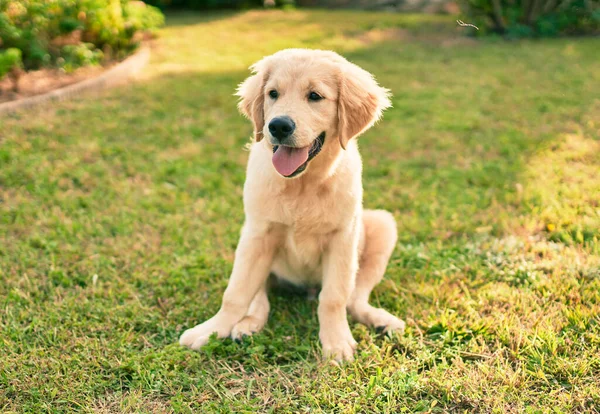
[176, 18]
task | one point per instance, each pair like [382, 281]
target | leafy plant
[42, 28]
[10, 59]
[529, 18]
[140, 17]
[82, 54]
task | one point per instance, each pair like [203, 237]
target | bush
[143, 18]
[42, 29]
[82, 54]
[10, 59]
[529, 18]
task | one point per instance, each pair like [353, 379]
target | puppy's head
[304, 102]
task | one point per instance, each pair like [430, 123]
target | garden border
[119, 74]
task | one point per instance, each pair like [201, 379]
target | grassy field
[119, 216]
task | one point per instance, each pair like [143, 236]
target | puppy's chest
[299, 256]
[307, 228]
[316, 216]
[311, 211]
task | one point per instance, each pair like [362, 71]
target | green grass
[120, 213]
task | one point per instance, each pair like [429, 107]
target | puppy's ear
[252, 98]
[361, 102]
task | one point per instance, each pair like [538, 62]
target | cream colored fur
[310, 229]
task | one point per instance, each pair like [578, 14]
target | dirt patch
[444, 39]
[459, 41]
[381, 35]
[45, 80]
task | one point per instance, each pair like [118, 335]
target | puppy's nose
[281, 127]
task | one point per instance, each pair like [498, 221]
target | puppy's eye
[313, 96]
[274, 94]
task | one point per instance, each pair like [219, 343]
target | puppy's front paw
[339, 346]
[246, 327]
[198, 336]
[385, 322]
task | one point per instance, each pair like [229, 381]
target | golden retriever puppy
[303, 199]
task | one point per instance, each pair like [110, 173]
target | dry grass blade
[463, 24]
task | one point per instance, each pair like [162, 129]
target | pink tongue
[287, 160]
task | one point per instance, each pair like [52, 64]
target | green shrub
[82, 54]
[530, 18]
[9, 59]
[42, 29]
[142, 18]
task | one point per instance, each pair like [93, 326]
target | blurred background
[73, 33]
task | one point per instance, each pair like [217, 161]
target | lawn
[120, 213]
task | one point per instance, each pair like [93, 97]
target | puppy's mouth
[291, 161]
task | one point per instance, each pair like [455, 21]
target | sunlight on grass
[232, 42]
[563, 187]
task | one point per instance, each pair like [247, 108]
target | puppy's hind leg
[256, 318]
[380, 239]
